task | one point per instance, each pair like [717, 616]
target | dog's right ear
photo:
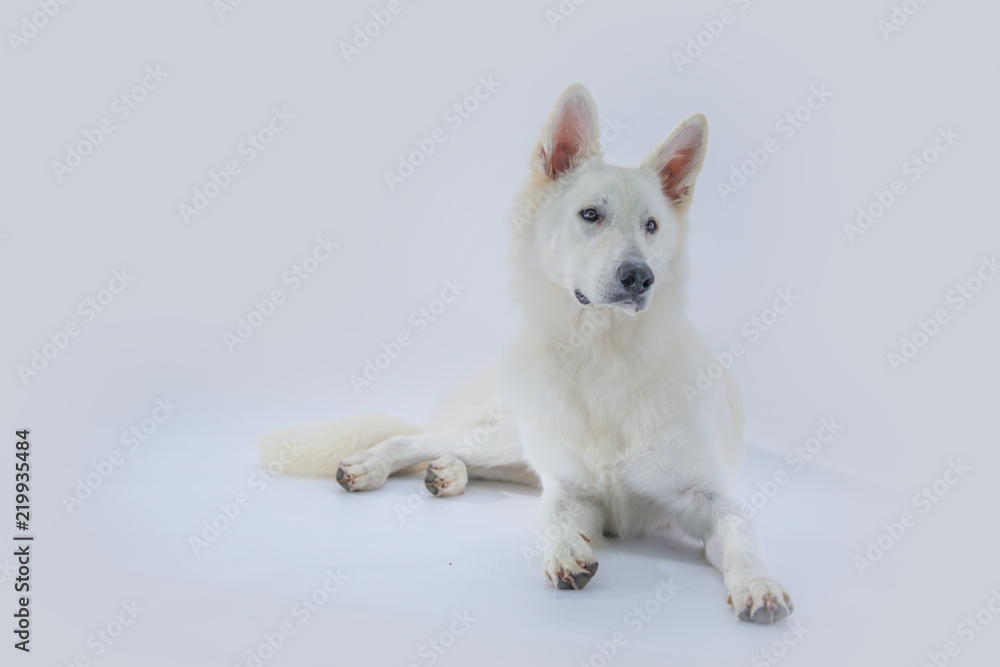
[572, 135]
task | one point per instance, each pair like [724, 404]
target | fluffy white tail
[318, 450]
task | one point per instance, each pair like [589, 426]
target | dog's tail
[318, 450]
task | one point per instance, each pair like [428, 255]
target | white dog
[594, 399]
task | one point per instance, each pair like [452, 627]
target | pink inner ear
[569, 140]
[561, 161]
[678, 159]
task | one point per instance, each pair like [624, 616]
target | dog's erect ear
[678, 160]
[572, 135]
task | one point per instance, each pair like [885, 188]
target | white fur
[590, 396]
[318, 450]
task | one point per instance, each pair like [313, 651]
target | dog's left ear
[678, 160]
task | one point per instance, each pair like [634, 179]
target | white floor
[417, 580]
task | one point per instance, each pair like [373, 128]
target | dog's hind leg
[456, 456]
[368, 469]
[481, 453]
[446, 476]
[449, 475]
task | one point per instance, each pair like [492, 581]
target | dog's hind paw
[761, 600]
[363, 471]
[446, 476]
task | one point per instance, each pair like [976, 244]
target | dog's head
[605, 234]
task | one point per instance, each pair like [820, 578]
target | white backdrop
[116, 113]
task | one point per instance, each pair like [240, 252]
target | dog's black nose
[636, 278]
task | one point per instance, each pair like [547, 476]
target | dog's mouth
[630, 305]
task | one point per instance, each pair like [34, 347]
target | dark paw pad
[577, 581]
[745, 613]
[771, 611]
[429, 480]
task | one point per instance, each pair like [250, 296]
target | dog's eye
[651, 226]
[590, 214]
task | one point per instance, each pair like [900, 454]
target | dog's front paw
[761, 600]
[446, 476]
[569, 564]
[363, 471]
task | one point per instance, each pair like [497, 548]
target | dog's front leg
[732, 547]
[566, 520]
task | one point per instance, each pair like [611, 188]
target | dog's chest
[595, 439]
[589, 418]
